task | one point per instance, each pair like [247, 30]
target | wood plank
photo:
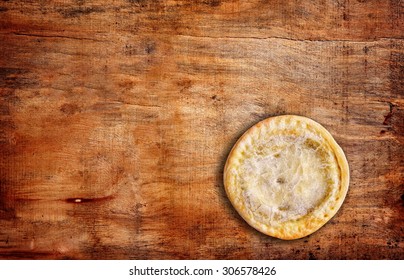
[116, 120]
[291, 19]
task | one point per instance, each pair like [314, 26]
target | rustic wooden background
[117, 117]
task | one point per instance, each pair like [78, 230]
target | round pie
[286, 176]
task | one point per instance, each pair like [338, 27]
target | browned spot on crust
[311, 144]
[280, 180]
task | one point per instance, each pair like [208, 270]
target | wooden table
[117, 117]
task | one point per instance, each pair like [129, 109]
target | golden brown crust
[249, 188]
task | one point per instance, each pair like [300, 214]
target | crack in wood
[228, 37]
[293, 39]
[57, 36]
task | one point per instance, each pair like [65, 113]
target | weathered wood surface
[131, 108]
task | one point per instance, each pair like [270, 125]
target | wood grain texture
[116, 119]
